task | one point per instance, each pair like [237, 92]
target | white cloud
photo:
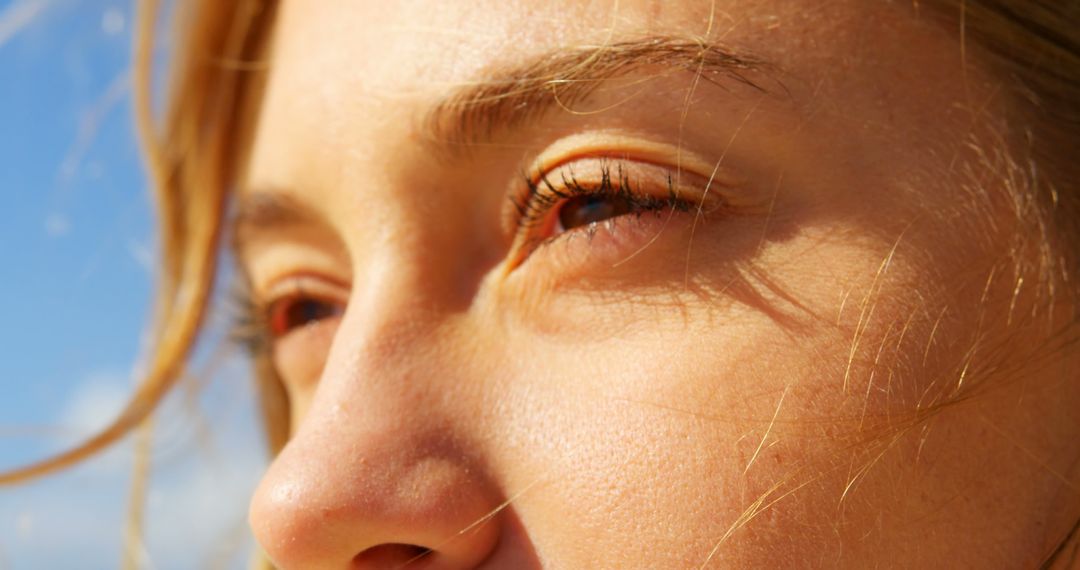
[203, 474]
[18, 16]
[113, 21]
[90, 121]
[95, 402]
[57, 225]
[143, 253]
[204, 505]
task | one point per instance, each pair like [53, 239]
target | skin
[818, 368]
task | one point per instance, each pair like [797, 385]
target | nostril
[390, 555]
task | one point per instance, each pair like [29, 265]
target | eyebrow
[510, 96]
[263, 210]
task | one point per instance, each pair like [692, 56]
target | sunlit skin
[732, 352]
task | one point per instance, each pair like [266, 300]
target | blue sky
[77, 245]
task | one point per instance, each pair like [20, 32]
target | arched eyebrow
[266, 210]
[511, 95]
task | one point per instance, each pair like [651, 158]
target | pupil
[288, 314]
[304, 312]
[585, 210]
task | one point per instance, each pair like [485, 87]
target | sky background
[77, 247]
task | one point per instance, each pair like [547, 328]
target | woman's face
[644, 284]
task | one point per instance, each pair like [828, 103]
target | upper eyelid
[629, 147]
[620, 168]
[306, 284]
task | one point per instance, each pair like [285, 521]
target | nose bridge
[387, 373]
[398, 344]
[384, 460]
[434, 238]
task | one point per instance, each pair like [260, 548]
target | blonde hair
[219, 68]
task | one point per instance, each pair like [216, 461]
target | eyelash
[254, 321]
[542, 198]
[248, 324]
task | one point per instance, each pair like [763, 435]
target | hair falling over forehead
[219, 67]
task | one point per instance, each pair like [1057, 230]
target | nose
[378, 474]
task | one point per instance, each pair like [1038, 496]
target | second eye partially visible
[299, 301]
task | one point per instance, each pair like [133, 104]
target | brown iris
[291, 313]
[584, 210]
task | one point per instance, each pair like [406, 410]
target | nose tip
[317, 507]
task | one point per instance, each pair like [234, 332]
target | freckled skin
[759, 387]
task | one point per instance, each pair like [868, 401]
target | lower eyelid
[608, 246]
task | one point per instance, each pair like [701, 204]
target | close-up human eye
[297, 308]
[295, 324]
[285, 315]
[542, 284]
[606, 199]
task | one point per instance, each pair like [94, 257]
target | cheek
[299, 356]
[680, 418]
[299, 359]
[656, 456]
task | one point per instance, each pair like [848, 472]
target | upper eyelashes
[291, 304]
[569, 200]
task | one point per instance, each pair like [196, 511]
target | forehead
[385, 49]
[418, 45]
[350, 79]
